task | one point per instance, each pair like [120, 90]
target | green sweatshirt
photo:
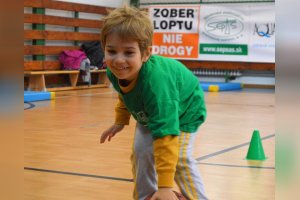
[167, 97]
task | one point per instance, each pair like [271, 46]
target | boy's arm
[166, 152]
[122, 114]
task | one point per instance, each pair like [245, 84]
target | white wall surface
[111, 3]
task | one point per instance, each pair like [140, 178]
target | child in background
[165, 99]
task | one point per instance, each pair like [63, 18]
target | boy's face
[124, 58]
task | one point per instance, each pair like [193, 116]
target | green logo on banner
[224, 49]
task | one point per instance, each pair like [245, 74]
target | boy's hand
[111, 132]
[164, 194]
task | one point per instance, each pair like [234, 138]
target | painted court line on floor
[131, 180]
[78, 174]
[239, 166]
[30, 105]
[230, 149]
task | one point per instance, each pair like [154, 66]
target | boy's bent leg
[187, 174]
[143, 168]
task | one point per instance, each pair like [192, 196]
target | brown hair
[128, 23]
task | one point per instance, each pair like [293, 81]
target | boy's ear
[147, 54]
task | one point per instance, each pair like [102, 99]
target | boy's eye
[111, 51]
[129, 53]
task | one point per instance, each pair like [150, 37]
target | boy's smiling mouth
[121, 68]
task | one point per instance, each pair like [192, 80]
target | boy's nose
[119, 59]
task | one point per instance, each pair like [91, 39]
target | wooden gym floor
[64, 160]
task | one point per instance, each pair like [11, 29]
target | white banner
[224, 32]
[262, 33]
[176, 31]
[221, 32]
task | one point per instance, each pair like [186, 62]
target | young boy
[165, 99]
